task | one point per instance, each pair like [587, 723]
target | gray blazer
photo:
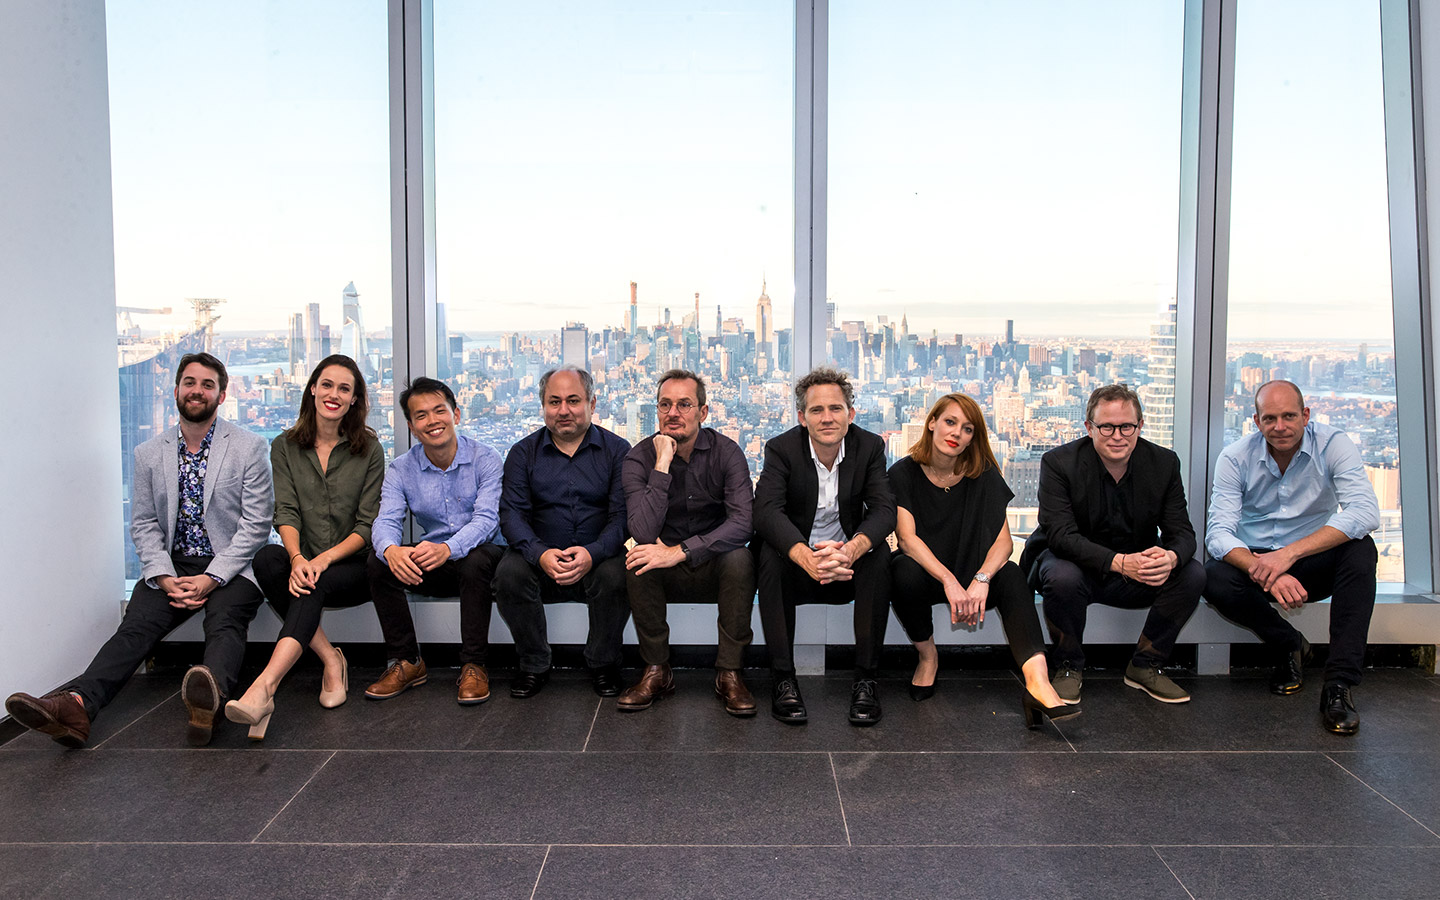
[239, 501]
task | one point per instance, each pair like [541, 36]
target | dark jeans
[913, 592]
[784, 586]
[1069, 590]
[344, 584]
[468, 577]
[149, 617]
[1345, 574]
[728, 578]
[522, 590]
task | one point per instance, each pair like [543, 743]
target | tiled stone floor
[1237, 794]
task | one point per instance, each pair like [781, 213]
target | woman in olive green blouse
[328, 469]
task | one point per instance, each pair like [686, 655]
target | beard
[205, 412]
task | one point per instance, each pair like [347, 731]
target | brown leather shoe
[202, 700]
[401, 676]
[473, 685]
[657, 682]
[56, 715]
[731, 690]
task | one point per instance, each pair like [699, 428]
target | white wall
[60, 533]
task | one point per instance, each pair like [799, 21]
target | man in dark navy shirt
[562, 511]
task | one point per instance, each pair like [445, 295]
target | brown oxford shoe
[473, 686]
[202, 700]
[731, 690]
[56, 715]
[655, 683]
[401, 676]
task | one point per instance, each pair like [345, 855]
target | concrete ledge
[1400, 618]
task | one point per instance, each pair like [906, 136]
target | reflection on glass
[1310, 257]
[250, 148]
[1003, 215]
[614, 191]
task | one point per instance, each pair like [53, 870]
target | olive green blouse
[326, 507]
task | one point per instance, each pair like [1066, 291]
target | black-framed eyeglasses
[1108, 429]
[683, 407]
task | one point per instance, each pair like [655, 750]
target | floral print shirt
[190, 536]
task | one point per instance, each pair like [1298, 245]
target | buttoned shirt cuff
[218, 580]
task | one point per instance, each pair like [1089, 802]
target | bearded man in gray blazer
[201, 507]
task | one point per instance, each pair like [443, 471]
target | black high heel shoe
[920, 692]
[1034, 710]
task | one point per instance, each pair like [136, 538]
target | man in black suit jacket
[822, 505]
[1103, 499]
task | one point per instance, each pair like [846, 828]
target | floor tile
[1109, 799]
[423, 718]
[248, 871]
[578, 798]
[142, 694]
[1238, 712]
[1409, 780]
[1285, 873]
[146, 795]
[965, 714]
[825, 873]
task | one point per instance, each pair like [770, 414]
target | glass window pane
[1003, 214]
[250, 148]
[614, 189]
[1309, 243]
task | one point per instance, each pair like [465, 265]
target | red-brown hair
[977, 456]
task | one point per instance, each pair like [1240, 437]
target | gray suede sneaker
[1155, 684]
[1067, 683]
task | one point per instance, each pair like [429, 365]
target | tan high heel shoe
[332, 699]
[257, 717]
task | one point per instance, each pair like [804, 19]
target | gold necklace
[941, 477]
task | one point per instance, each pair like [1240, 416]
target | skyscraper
[633, 321]
[1158, 394]
[297, 344]
[764, 318]
[352, 329]
[312, 337]
[574, 345]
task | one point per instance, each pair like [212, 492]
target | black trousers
[728, 579]
[913, 592]
[784, 586]
[344, 584]
[522, 590]
[468, 577]
[1069, 590]
[1345, 574]
[228, 610]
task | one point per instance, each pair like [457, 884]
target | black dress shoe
[864, 705]
[528, 684]
[606, 681]
[1289, 674]
[1337, 709]
[786, 704]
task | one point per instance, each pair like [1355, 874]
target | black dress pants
[1345, 574]
[784, 586]
[913, 592]
[149, 617]
[468, 577]
[1069, 590]
[344, 584]
[727, 579]
[522, 590]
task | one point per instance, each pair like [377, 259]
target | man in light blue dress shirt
[1290, 520]
[451, 485]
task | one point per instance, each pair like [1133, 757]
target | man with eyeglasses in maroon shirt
[687, 502]
[1114, 529]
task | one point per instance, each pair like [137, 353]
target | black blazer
[1071, 499]
[789, 488]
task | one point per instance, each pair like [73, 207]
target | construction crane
[205, 318]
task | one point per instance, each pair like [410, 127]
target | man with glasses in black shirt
[1114, 529]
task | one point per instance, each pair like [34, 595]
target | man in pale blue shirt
[1290, 521]
[451, 485]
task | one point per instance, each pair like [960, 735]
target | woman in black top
[328, 472]
[955, 548]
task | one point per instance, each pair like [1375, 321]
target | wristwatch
[685, 550]
[982, 578]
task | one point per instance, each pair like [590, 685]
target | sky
[987, 161]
